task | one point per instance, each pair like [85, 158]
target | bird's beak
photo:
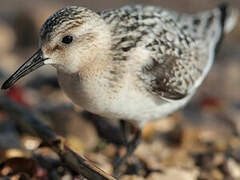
[30, 65]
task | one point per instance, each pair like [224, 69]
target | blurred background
[200, 142]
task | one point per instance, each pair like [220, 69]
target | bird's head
[69, 40]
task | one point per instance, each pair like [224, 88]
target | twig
[34, 125]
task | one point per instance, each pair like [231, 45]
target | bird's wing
[178, 63]
[175, 73]
[173, 77]
[182, 46]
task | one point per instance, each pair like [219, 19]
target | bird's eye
[67, 39]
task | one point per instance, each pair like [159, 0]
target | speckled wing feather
[182, 46]
[171, 78]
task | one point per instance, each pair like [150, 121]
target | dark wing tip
[174, 95]
[223, 8]
[223, 5]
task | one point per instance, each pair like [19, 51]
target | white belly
[137, 106]
[128, 103]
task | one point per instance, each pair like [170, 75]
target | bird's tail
[211, 25]
[228, 20]
[216, 23]
[229, 17]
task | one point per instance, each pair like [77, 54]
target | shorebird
[135, 63]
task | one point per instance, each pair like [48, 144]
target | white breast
[129, 101]
[90, 94]
[133, 104]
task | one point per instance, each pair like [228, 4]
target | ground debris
[201, 142]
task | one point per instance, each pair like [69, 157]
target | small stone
[175, 173]
[233, 168]
[30, 142]
[148, 131]
[12, 153]
[134, 177]
[216, 174]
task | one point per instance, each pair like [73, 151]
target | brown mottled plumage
[136, 63]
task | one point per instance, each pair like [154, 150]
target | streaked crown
[63, 20]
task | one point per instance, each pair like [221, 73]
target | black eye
[67, 39]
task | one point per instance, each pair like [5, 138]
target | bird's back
[182, 46]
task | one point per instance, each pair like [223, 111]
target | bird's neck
[91, 65]
[98, 64]
[94, 58]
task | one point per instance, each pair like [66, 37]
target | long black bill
[30, 65]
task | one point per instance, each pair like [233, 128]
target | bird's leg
[121, 136]
[130, 144]
[125, 131]
[105, 128]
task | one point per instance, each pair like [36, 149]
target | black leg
[105, 128]
[121, 136]
[125, 131]
[130, 145]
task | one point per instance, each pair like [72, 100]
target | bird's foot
[129, 144]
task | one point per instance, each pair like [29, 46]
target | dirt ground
[200, 142]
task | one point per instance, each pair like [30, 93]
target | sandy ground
[200, 142]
